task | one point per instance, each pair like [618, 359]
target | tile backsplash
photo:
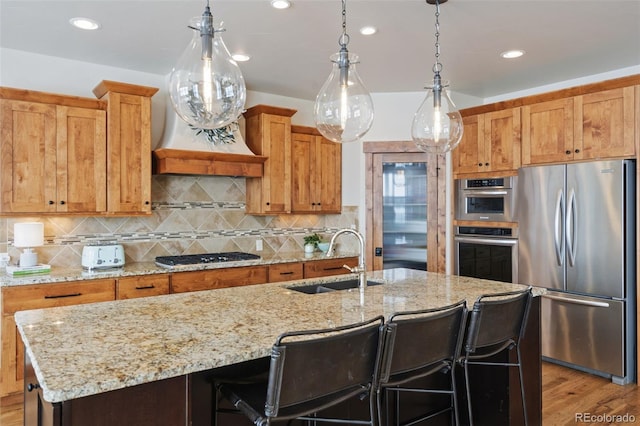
[190, 214]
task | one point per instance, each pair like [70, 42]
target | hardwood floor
[566, 395]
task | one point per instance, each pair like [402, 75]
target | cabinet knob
[62, 202]
[31, 387]
[51, 202]
[146, 203]
[268, 203]
[577, 151]
[486, 164]
[567, 152]
[479, 164]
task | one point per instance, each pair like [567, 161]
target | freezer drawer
[585, 331]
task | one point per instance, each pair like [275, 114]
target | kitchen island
[154, 353]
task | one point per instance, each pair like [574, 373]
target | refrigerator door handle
[570, 230]
[557, 236]
[577, 301]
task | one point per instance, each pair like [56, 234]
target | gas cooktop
[197, 259]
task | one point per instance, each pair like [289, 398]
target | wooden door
[547, 132]
[329, 175]
[501, 140]
[469, 156]
[379, 153]
[27, 157]
[604, 124]
[81, 160]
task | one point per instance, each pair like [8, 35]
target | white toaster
[102, 256]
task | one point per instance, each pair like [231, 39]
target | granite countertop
[87, 349]
[59, 274]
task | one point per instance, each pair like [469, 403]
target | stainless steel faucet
[361, 268]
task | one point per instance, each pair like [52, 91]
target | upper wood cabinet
[316, 172]
[52, 158]
[590, 126]
[70, 155]
[128, 146]
[490, 143]
[268, 133]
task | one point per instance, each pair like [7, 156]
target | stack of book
[22, 271]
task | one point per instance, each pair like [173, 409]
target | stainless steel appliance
[485, 252]
[578, 238]
[197, 259]
[490, 200]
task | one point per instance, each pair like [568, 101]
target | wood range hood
[187, 162]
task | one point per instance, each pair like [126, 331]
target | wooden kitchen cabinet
[142, 286]
[328, 267]
[604, 124]
[316, 172]
[547, 132]
[268, 133]
[182, 282]
[128, 146]
[490, 143]
[37, 296]
[52, 157]
[285, 271]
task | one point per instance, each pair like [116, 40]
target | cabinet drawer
[142, 286]
[21, 298]
[285, 272]
[323, 268]
[217, 278]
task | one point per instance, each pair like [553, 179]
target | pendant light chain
[344, 38]
[437, 67]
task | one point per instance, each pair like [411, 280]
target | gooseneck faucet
[361, 268]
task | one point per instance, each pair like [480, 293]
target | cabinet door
[604, 124]
[81, 157]
[129, 154]
[303, 176]
[502, 140]
[142, 286]
[27, 157]
[270, 135]
[547, 132]
[468, 157]
[328, 175]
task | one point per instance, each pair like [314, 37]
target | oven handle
[491, 241]
[475, 192]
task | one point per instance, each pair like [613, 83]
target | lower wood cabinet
[218, 278]
[285, 272]
[37, 296]
[142, 286]
[327, 267]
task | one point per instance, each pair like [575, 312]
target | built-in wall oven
[490, 200]
[486, 252]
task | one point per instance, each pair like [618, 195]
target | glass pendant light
[437, 125]
[206, 86]
[343, 111]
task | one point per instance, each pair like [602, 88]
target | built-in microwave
[491, 200]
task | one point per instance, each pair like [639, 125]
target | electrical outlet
[258, 245]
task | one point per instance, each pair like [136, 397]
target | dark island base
[187, 400]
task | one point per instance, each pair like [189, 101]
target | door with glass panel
[402, 226]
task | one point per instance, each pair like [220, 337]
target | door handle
[558, 239]
[577, 301]
[570, 231]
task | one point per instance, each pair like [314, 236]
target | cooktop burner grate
[197, 259]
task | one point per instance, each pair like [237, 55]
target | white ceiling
[564, 39]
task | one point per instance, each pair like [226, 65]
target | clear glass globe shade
[207, 93]
[343, 113]
[437, 130]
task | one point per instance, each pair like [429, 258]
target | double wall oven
[490, 250]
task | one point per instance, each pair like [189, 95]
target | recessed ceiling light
[280, 4]
[240, 57]
[512, 54]
[368, 30]
[84, 23]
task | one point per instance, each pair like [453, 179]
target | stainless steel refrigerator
[577, 238]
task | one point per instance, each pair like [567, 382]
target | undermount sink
[330, 286]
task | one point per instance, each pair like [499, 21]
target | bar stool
[417, 344]
[496, 323]
[311, 371]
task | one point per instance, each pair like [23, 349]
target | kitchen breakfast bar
[150, 361]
